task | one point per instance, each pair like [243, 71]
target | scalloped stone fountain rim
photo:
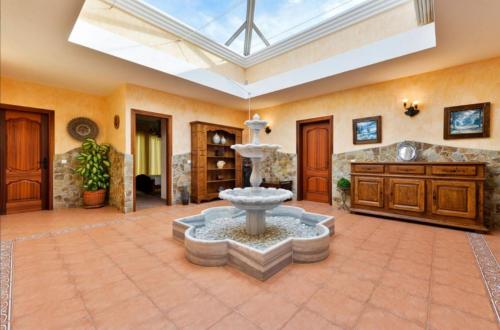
[251, 199]
[259, 263]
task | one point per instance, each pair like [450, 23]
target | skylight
[268, 21]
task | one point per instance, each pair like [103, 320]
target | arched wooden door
[314, 159]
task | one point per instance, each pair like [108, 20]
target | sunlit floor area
[100, 269]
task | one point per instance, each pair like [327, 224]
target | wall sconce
[411, 110]
[268, 129]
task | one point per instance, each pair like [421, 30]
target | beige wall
[394, 21]
[470, 83]
[183, 111]
[65, 103]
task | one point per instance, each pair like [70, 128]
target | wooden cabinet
[441, 193]
[206, 177]
[368, 191]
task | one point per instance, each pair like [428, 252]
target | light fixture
[411, 110]
[268, 129]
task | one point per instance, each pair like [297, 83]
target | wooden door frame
[168, 163]
[299, 148]
[50, 146]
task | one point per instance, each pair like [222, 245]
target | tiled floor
[130, 274]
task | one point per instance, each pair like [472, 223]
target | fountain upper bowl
[255, 150]
[256, 198]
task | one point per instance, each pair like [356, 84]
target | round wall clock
[82, 128]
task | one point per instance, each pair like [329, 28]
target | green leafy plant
[343, 184]
[94, 164]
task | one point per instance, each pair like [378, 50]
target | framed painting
[367, 130]
[467, 121]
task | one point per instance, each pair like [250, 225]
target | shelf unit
[206, 178]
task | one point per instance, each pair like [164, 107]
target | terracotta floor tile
[400, 303]
[464, 267]
[371, 257]
[410, 268]
[447, 318]
[268, 310]
[374, 318]
[174, 294]
[305, 319]
[294, 288]
[478, 305]
[336, 307]
[234, 321]
[362, 270]
[235, 291]
[351, 286]
[409, 284]
[199, 313]
[104, 297]
[126, 314]
[463, 282]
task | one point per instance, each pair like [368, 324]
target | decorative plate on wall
[406, 151]
[82, 128]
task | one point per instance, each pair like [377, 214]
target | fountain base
[292, 235]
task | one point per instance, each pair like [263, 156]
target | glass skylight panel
[276, 20]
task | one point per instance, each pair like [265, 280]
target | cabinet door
[368, 191]
[454, 198]
[407, 194]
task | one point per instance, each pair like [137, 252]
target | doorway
[26, 154]
[314, 159]
[151, 150]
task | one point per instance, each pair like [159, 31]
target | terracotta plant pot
[94, 199]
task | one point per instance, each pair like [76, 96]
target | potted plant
[343, 186]
[93, 168]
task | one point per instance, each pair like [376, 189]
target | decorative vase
[220, 164]
[223, 140]
[216, 138]
[94, 199]
[184, 196]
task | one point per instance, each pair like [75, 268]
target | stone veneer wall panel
[67, 186]
[281, 166]
[181, 171]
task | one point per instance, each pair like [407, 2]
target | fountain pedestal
[255, 222]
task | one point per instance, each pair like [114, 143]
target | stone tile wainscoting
[281, 166]
[181, 171]
[430, 153]
[68, 190]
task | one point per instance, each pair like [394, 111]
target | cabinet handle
[434, 195]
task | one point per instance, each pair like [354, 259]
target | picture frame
[467, 121]
[367, 130]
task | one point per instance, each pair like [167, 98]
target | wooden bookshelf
[206, 178]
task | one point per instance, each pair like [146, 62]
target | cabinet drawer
[367, 168]
[406, 169]
[453, 170]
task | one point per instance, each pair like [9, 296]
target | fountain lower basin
[257, 256]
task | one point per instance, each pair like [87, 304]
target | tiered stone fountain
[256, 234]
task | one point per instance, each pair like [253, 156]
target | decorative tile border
[6, 272]
[489, 267]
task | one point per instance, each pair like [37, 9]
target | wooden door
[316, 161]
[454, 198]
[368, 191]
[25, 160]
[406, 194]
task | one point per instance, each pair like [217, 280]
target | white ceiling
[34, 47]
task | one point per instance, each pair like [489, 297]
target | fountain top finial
[256, 117]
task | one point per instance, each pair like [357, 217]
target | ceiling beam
[261, 35]
[249, 27]
[236, 34]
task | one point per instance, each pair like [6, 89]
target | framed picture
[467, 121]
[367, 130]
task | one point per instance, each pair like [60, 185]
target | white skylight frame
[337, 22]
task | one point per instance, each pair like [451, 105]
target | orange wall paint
[470, 83]
[66, 104]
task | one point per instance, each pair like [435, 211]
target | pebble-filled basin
[218, 237]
